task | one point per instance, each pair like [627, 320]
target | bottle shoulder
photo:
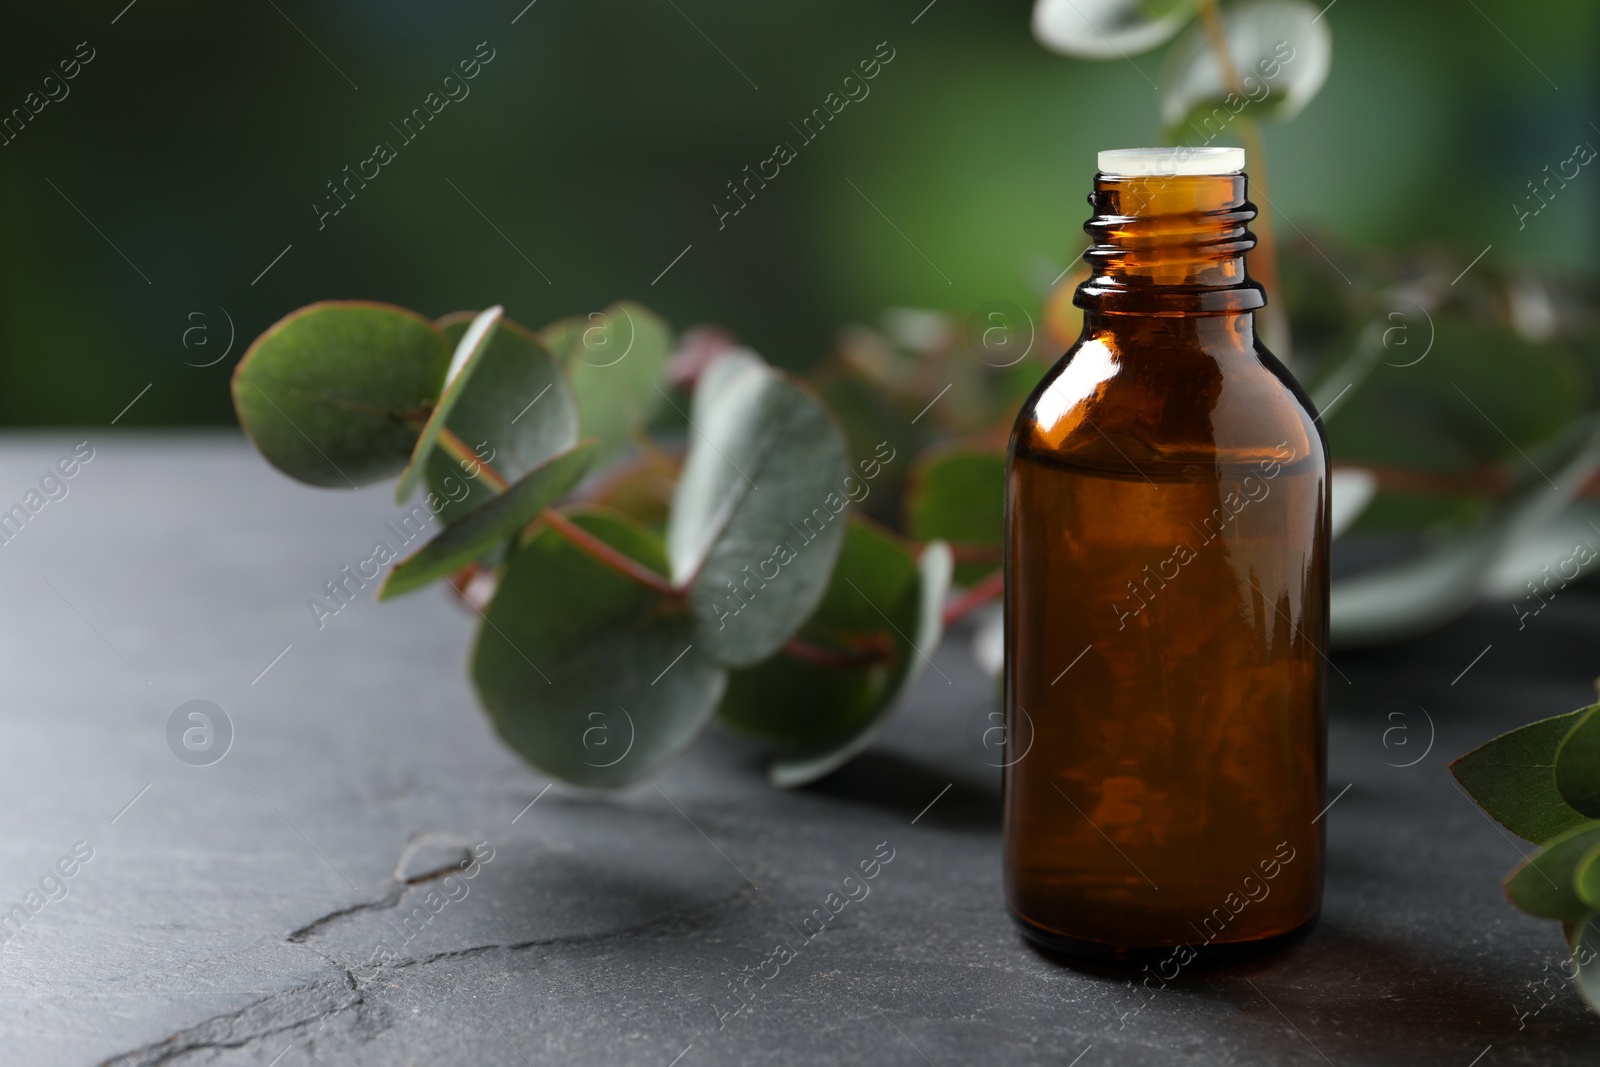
[1127, 409]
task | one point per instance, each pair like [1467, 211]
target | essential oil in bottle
[1166, 594]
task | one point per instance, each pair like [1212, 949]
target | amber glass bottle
[1166, 595]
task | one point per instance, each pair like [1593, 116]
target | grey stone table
[264, 909]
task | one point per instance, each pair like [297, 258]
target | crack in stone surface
[280, 1013]
[684, 921]
[387, 902]
[298, 1009]
[264, 1018]
[384, 903]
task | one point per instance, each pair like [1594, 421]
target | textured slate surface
[232, 913]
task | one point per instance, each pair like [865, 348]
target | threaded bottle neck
[1169, 245]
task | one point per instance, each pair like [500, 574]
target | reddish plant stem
[470, 461]
[460, 584]
[967, 552]
[806, 652]
[462, 578]
[598, 550]
[975, 597]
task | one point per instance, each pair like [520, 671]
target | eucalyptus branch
[532, 603]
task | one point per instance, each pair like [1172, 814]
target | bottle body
[1166, 612]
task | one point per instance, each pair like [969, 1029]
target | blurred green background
[200, 135]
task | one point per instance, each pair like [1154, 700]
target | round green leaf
[958, 494]
[793, 703]
[1451, 412]
[615, 360]
[916, 635]
[1551, 550]
[469, 353]
[334, 393]
[590, 676]
[1350, 490]
[492, 523]
[1586, 878]
[516, 410]
[1545, 885]
[1578, 765]
[756, 521]
[1281, 52]
[729, 365]
[1583, 937]
[1107, 29]
[1398, 601]
[1512, 778]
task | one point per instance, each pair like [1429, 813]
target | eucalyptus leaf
[1583, 937]
[726, 367]
[958, 494]
[1545, 884]
[797, 704]
[1427, 517]
[1550, 557]
[1586, 878]
[589, 675]
[914, 645]
[1578, 765]
[1349, 373]
[615, 360]
[469, 353]
[1396, 602]
[640, 488]
[492, 523]
[1440, 402]
[987, 646]
[1350, 490]
[1513, 779]
[516, 410]
[791, 701]
[1281, 49]
[756, 521]
[1108, 29]
[1406, 599]
[1401, 334]
[871, 417]
[335, 393]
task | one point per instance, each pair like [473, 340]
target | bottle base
[1078, 952]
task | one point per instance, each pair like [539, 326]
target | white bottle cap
[1173, 161]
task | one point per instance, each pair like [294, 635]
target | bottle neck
[1217, 334]
[1169, 246]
